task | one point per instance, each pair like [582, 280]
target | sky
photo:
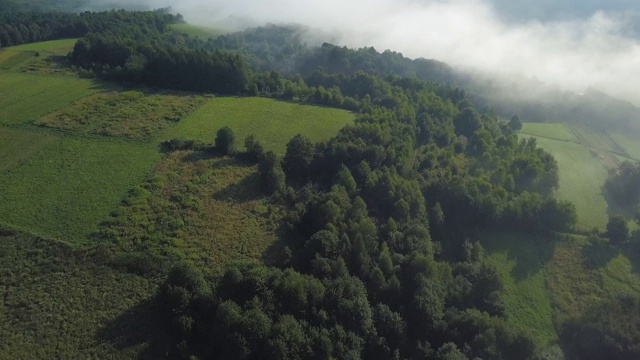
[575, 44]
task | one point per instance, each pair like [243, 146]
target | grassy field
[60, 303]
[199, 208]
[65, 186]
[57, 47]
[26, 97]
[202, 32]
[273, 122]
[581, 178]
[17, 147]
[521, 262]
[36, 56]
[129, 114]
[10, 59]
[630, 142]
[549, 131]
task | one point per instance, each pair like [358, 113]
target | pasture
[129, 114]
[549, 131]
[56, 47]
[63, 187]
[273, 122]
[26, 97]
[581, 176]
[584, 157]
[630, 142]
[10, 59]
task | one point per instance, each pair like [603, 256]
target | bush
[225, 140]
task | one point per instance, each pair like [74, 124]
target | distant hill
[549, 10]
[69, 5]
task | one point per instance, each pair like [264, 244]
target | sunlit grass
[273, 122]
[62, 187]
[130, 114]
[26, 97]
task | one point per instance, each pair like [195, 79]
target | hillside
[372, 214]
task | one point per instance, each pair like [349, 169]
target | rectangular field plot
[273, 122]
[25, 97]
[59, 47]
[581, 177]
[65, 187]
[130, 114]
[551, 131]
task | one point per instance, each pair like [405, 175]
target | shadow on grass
[529, 252]
[245, 190]
[142, 326]
[598, 254]
[632, 251]
[281, 252]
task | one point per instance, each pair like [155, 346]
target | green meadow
[63, 187]
[550, 131]
[581, 177]
[26, 97]
[57, 47]
[273, 122]
[585, 156]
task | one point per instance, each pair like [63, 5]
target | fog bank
[593, 46]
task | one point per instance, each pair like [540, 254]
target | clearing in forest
[273, 122]
[203, 32]
[198, 207]
[129, 114]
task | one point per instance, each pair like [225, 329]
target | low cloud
[598, 49]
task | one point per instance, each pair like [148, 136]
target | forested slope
[377, 226]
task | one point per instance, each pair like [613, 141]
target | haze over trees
[378, 222]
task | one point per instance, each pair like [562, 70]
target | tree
[271, 173]
[225, 140]
[254, 149]
[617, 229]
[467, 122]
[300, 153]
[515, 124]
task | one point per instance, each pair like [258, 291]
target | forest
[380, 224]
